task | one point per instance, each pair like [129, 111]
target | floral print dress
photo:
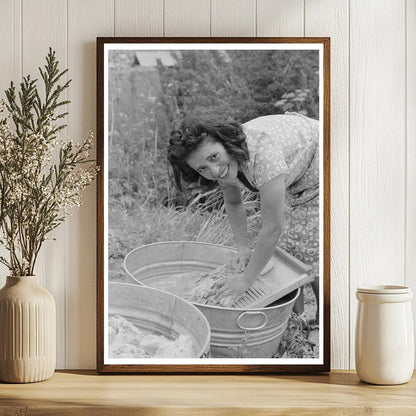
[288, 144]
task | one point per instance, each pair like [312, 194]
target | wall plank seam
[349, 185]
[21, 39]
[405, 144]
[67, 248]
[304, 17]
[210, 17]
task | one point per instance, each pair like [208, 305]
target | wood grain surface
[85, 393]
[410, 258]
[187, 18]
[329, 18]
[138, 18]
[233, 18]
[377, 149]
[52, 260]
[280, 18]
[85, 18]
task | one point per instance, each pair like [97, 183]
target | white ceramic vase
[384, 338]
[27, 331]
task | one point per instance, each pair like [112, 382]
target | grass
[144, 223]
[295, 342]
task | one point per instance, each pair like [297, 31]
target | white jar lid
[384, 289]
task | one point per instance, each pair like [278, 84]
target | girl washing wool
[276, 156]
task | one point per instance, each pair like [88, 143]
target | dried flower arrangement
[42, 176]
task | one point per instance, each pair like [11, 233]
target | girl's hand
[234, 286]
[244, 251]
[240, 260]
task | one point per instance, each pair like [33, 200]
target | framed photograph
[213, 205]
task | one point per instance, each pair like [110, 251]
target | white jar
[384, 337]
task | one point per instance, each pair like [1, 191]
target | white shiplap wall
[373, 132]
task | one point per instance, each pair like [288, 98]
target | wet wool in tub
[126, 340]
[200, 287]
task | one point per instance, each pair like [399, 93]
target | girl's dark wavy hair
[189, 136]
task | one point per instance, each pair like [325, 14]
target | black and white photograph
[214, 198]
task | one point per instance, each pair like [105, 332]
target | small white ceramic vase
[384, 337]
[27, 331]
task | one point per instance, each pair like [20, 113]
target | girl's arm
[272, 200]
[236, 217]
[272, 203]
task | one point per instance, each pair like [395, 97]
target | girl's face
[211, 160]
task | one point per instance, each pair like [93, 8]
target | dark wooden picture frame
[207, 365]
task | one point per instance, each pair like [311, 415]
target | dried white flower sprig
[41, 176]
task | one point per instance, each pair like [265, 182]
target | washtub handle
[252, 313]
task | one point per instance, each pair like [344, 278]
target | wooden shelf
[86, 393]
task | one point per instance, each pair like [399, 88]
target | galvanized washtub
[235, 332]
[160, 313]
